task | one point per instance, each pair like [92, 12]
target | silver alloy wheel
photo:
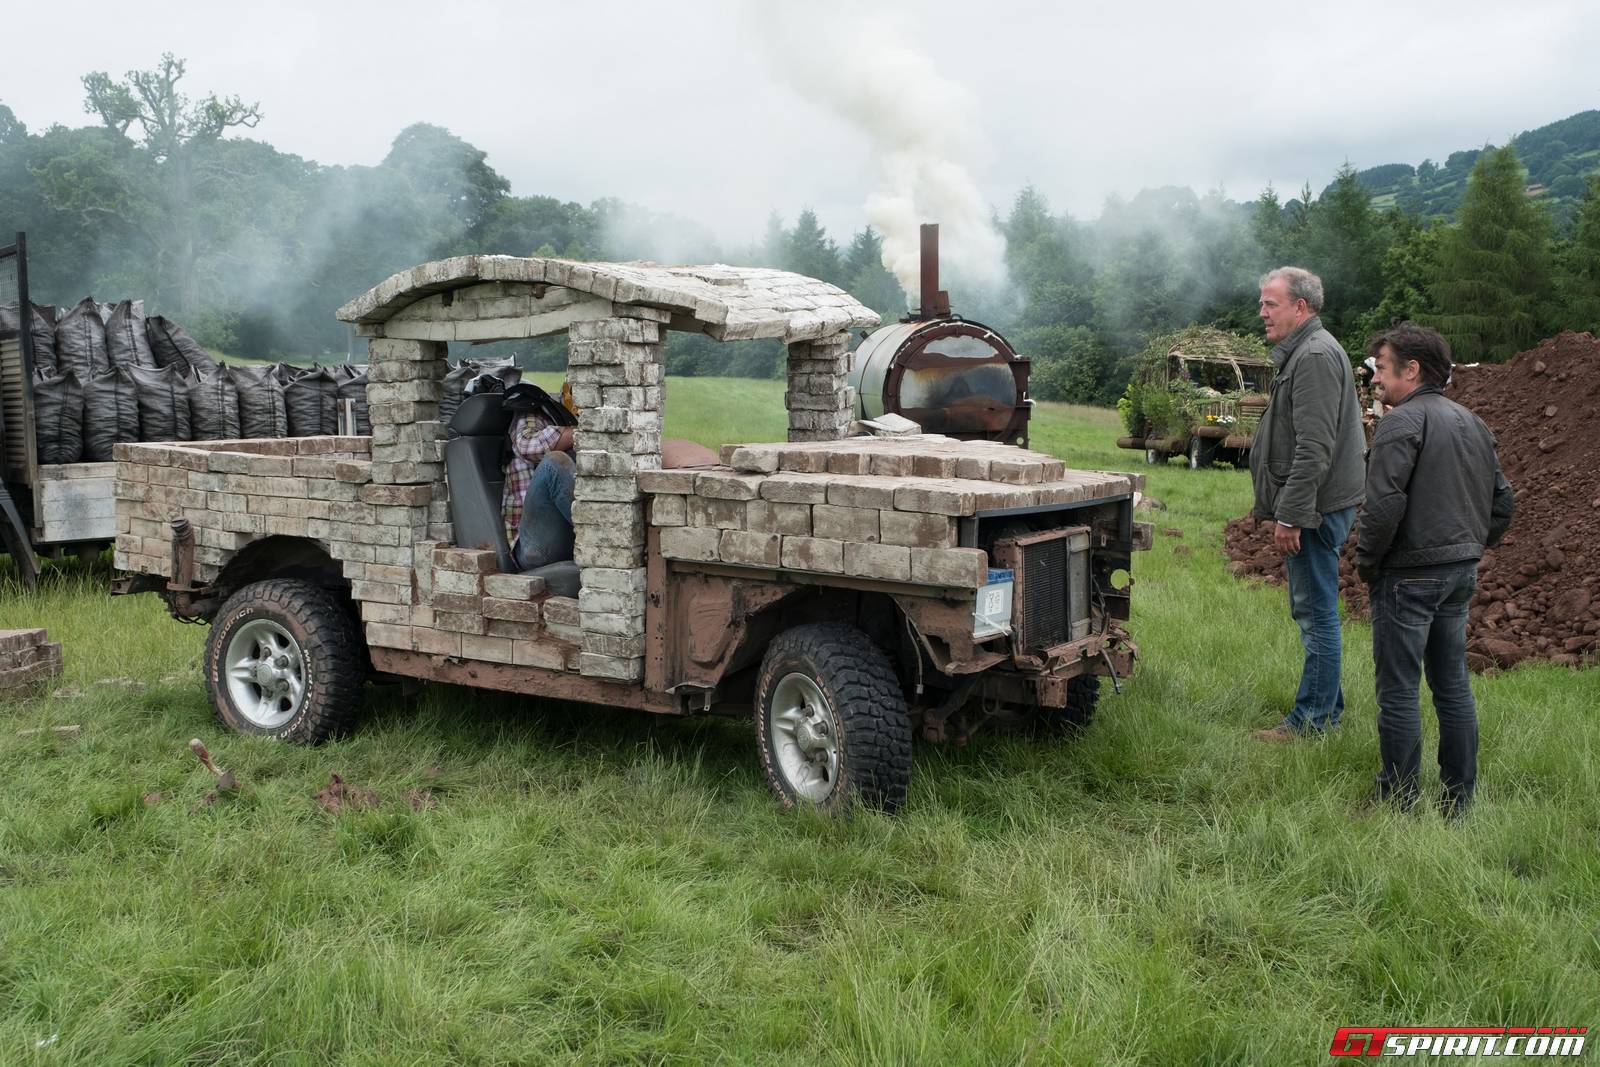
[805, 737]
[266, 674]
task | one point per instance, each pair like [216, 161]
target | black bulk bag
[81, 342]
[58, 417]
[163, 403]
[41, 324]
[214, 406]
[353, 389]
[110, 413]
[126, 343]
[313, 402]
[457, 377]
[171, 346]
[262, 412]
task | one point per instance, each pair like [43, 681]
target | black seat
[477, 485]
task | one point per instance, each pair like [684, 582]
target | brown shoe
[1278, 734]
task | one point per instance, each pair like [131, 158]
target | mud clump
[1539, 589]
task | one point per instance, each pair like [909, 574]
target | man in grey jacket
[1436, 498]
[1305, 464]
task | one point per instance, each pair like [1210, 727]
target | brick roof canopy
[727, 303]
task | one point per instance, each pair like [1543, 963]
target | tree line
[253, 248]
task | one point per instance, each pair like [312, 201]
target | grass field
[604, 887]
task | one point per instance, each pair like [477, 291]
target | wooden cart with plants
[1198, 393]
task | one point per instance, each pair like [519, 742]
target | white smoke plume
[922, 125]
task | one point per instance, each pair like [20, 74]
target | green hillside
[1558, 157]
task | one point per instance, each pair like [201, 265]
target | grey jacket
[1305, 459]
[1435, 491]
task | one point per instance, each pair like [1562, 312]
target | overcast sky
[710, 109]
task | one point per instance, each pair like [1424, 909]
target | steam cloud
[921, 125]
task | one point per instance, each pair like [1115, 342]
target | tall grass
[599, 886]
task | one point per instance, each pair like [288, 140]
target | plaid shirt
[531, 437]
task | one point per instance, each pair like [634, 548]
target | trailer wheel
[1154, 456]
[284, 659]
[1202, 452]
[831, 720]
[1083, 697]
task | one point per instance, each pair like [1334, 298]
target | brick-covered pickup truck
[846, 591]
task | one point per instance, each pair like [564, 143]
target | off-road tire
[859, 684]
[1083, 697]
[332, 658]
[1202, 452]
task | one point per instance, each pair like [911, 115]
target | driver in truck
[537, 502]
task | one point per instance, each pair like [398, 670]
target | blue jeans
[545, 533]
[1314, 604]
[1419, 624]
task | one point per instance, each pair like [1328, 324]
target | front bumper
[1042, 680]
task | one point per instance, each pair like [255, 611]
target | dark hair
[1410, 342]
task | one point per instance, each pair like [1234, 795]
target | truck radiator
[1050, 601]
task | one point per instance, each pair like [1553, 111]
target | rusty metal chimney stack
[935, 301]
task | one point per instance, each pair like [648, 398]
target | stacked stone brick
[880, 508]
[615, 368]
[818, 399]
[461, 607]
[415, 594]
[236, 492]
[28, 659]
[405, 382]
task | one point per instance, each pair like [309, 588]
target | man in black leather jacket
[1435, 499]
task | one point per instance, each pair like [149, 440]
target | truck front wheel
[1083, 697]
[284, 660]
[831, 721]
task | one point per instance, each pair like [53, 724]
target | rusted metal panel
[935, 301]
[529, 681]
[655, 611]
[711, 625]
[945, 630]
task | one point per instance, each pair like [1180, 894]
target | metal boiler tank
[950, 375]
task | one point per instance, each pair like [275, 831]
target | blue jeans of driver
[1419, 624]
[545, 533]
[1314, 605]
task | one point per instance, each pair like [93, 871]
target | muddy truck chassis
[846, 592]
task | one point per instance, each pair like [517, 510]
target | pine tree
[1580, 265]
[812, 252]
[1269, 227]
[1410, 270]
[1344, 245]
[1494, 264]
[868, 280]
[774, 248]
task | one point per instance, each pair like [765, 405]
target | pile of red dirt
[1539, 590]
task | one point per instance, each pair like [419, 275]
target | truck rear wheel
[284, 660]
[831, 720]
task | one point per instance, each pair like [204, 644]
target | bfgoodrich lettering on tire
[284, 660]
[831, 721]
